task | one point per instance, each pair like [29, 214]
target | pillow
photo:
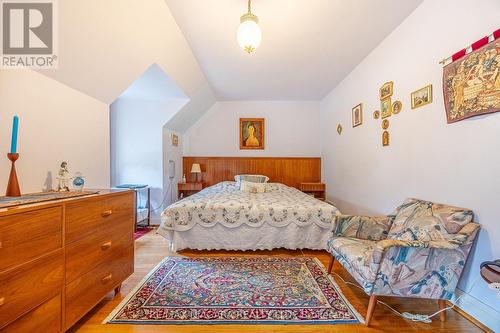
[251, 178]
[251, 187]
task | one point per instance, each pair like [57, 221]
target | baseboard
[482, 315]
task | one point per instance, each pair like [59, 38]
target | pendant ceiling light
[249, 35]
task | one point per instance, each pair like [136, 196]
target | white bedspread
[225, 204]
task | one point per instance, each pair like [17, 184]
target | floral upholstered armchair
[418, 251]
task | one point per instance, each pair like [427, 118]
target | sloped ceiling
[105, 45]
[308, 46]
[154, 85]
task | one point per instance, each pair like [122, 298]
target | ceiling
[308, 46]
[153, 85]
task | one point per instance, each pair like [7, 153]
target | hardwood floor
[152, 248]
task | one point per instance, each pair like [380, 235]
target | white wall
[54, 126]
[456, 164]
[291, 127]
[137, 143]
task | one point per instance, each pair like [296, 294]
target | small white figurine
[63, 178]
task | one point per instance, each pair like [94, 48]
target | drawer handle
[2, 301]
[106, 246]
[106, 213]
[107, 278]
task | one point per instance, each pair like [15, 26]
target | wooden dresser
[60, 258]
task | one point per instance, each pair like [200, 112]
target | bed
[223, 217]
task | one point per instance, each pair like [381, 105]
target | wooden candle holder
[13, 189]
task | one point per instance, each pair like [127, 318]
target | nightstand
[318, 190]
[187, 189]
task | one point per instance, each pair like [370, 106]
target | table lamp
[196, 169]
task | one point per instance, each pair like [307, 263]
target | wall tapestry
[471, 85]
[252, 133]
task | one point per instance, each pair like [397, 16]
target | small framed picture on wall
[357, 115]
[421, 97]
[175, 140]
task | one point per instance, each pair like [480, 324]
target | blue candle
[15, 128]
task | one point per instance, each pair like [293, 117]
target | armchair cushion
[363, 227]
[426, 221]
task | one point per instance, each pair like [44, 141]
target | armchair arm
[363, 227]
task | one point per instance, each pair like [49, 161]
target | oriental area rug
[242, 290]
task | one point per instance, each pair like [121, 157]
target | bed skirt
[266, 237]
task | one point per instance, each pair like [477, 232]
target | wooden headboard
[290, 171]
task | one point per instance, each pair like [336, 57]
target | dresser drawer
[91, 251]
[46, 318]
[27, 286]
[86, 291]
[25, 236]
[101, 213]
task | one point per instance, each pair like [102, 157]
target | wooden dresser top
[51, 203]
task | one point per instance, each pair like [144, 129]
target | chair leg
[442, 305]
[371, 309]
[330, 264]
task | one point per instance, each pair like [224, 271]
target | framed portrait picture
[357, 115]
[386, 107]
[252, 133]
[386, 90]
[421, 97]
[175, 140]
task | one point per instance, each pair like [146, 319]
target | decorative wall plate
[376, 114]
[397, 106]
[339, 129]
[385, 124]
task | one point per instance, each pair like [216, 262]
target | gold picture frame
[386, 90]
[385, 124]
[252, 133]
[385, 139]
[357, 115]
[397, 106]
[421, 97]
[386, 107]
